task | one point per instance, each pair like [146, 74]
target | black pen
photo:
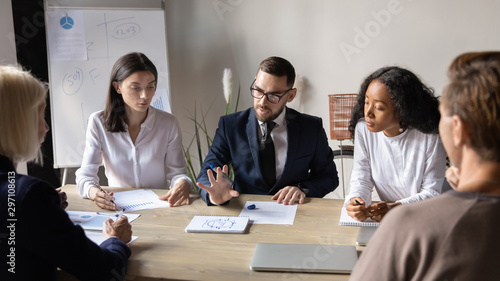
[357, 202]
[102, 190]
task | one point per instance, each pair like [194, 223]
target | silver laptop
[304, 258]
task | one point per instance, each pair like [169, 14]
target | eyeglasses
[272, 97]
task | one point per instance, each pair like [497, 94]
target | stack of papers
[98, 237]
[94, 220]
[269, 212]
[140, 199]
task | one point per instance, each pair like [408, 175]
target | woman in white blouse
[397, 148]
[139, 145]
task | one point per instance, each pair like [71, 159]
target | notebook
[345, 219]
[218, 224]
[311, 258]
[364, 235]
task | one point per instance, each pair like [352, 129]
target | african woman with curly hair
[397, 149]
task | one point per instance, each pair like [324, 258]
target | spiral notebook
[345, 219]
[218, 224]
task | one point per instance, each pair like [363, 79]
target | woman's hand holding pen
[220, 190]
[102, 199]
[120, 229]
[178, 195]
[357, 209]
[378, 210]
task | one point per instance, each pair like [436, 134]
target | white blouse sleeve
[175, 163]
[435, 168]
[92, 158]
[361, 184]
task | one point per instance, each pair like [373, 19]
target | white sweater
[406, 168]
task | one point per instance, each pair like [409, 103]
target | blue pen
[224, 176]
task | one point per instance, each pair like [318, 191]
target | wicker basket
[341, 106]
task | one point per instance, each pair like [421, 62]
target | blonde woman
[40, 236]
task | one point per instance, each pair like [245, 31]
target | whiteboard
[79, 87]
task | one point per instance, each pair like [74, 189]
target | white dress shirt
[406, 168]
[155, 160]
[280, 140]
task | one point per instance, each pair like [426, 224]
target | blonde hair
[21, 95]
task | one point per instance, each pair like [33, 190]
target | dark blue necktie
[267, 156]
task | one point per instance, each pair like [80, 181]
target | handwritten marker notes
[140, 199]
[218, 224]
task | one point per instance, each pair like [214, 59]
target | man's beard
[271, 117]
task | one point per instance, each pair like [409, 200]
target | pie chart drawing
[67, 22]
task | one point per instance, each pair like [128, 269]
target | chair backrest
[341, 106]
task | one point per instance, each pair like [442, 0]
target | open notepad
[345, 219]
[220, 224]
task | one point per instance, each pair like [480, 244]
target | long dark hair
[114, 113]
[415, 105]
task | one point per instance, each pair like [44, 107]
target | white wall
[7, 43]
[332, 44]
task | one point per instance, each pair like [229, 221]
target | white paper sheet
[269, 213]
[98, 237]
[140, 199]
[94, 220]
[66, 36]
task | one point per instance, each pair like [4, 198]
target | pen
[102, 190]
[224, 176]
[357, 202]
[120, 214]
[117, 215]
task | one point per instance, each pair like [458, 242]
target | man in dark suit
[273, 149]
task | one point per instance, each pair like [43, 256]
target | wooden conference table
[165, 251]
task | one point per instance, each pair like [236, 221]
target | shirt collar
[150, 119]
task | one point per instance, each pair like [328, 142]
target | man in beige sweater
[453, 236]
